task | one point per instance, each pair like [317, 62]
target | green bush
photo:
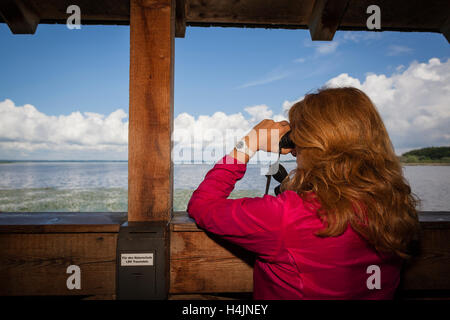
[431, 153]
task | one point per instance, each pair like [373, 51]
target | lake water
[102, 186]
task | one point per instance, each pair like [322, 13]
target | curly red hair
[347, 162]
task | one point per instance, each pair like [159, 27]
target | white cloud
[342, 37]
[270, 77]
[414, 103]
[327, 48]
[323, 47]
[358, 36]
[396, 50]
[259, 112]
[288, 104]
[218, 132]
[26, 129]
[400, 68]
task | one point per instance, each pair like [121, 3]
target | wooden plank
[180, 23]
[182, 222]
[201, 262]
[92, 12]
[445, 29]
[36, 264]
[249, 12]
[20, 16]
[326, 18]
[69, 228]
[57, 222]
[428, 219]
[150, 172]
[430, 270]
[399, 15]
[434, 219]
[221, 296]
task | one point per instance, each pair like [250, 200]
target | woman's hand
[266, 136]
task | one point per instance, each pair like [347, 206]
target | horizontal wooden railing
[202, 262]
[37, 248]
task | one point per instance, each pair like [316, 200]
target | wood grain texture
[150, 172]
[93, 12]
[20, 16]
[202, 263]
[180, 23]
[399, 15]
[36, 264]
[326, 18]
[182, 222]
[249, 11]
[61, 222]
[430, 269]
[445, 29]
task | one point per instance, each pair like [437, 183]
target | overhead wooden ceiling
[23, 16]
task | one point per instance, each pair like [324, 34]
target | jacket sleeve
[253, 223]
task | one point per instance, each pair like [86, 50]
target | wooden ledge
[182, 222]
[201, 263]
[61, 222]
[435, 219]
[37, 248]
[428, 219]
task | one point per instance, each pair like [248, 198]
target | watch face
[240, 145]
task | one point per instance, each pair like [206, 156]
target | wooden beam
[61, 222]
[37, 247]
[180, 22]
[262, 13]
[150, 172]
[21, 18]
[400, 15]
[326, 18]
[445, 29]
[202, 263]
[36, 264]
[429, 269]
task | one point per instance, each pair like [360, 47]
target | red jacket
[291, 263]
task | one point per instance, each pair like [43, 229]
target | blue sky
[212, 64]
[61, 72]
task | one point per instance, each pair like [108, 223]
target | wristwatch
[241, 146]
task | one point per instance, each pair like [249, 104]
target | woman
[344, 222]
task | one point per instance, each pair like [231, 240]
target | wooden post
[152, 32]
[180, 21]
[20, 17]
[325, 18]
[445, 29]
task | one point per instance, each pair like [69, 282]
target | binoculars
[286, 142]
[281, 174]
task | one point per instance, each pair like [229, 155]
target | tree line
[427, 155]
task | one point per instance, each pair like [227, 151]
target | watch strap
[242, 146]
